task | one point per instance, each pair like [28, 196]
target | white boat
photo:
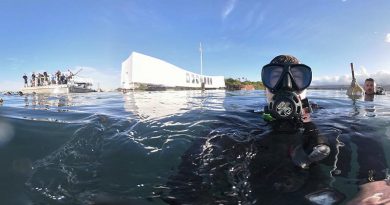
[73, 84]
[60, 89]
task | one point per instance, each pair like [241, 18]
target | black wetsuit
[275, 178]
[255, 168]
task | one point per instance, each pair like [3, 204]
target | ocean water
[181, 147]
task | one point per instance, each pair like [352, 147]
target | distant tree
[236, 84]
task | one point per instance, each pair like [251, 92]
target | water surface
[177, 147]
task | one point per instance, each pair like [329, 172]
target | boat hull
[56, 89]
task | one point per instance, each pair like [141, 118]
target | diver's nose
[287, 84]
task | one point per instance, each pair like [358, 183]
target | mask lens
[301, 75]
[271, 75]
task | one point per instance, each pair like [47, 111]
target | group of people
[47, 79]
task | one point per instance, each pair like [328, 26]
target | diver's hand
[319, 152]
[301, 159]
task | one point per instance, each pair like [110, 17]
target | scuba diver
[241, 161]
[288, 108]
[295, 144]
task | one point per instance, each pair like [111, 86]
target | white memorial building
[140, 69]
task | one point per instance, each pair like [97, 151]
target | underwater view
[183, 147]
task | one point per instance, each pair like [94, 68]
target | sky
[238, 37]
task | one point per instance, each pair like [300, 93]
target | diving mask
[290, 77]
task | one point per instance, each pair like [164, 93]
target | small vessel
[380, 90]
[58, 84]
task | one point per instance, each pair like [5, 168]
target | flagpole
[201, 58]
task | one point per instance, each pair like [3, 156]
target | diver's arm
[315, 147]
[312, 137]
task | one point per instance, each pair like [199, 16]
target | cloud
[381, 78]
[387, 39]
[253, 18]
[228, 8]
[246, 19]
[331, 80]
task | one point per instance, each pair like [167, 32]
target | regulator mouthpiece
[285, 105]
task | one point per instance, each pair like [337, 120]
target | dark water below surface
[178, 147]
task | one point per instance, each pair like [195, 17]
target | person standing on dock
[58, 74]
[53, 78]
[45, 78]
[70, 76]
[33, 79]
[62, 79]
[40, 79]
[25, 80]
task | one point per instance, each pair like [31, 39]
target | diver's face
[369, 87]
